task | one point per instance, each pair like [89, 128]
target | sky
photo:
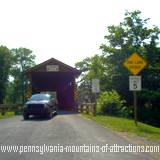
[68, 30]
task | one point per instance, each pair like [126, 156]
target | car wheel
[25, 116]
[55, 113]
[49, 115]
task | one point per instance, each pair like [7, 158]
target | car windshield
[39, 97]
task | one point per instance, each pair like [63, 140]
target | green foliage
[126, 125]
[126, 111]
[149, 109]
[5, 62]
[93, 67]
[150, 96]
[22, 59]
[110, 103]
[131, 35]
[7, 115]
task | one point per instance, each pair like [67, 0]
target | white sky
[68, 30]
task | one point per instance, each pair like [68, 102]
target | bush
[110, 102]
[126, 111]
[149, 110]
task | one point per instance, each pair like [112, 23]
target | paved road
[64, 129]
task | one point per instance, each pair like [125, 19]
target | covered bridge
[55, 77]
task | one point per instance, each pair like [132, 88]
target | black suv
[40, 105]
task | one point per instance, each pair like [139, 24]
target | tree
[5, 61]
[131, 35]
[93, 67]
[22, 59]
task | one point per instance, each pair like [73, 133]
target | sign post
[135, 64]
[135, 106]
[95, 90]
[135, 85]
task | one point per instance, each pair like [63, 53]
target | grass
[7, 115]
[126, 125]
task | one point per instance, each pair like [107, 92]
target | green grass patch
[7, 115]
[126, 125]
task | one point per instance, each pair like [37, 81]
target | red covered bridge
[55, 77]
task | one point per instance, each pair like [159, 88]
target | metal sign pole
[95, 105]
[95, 90]
[135, 85]
[135, 107]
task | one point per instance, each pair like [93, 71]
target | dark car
[40, 105]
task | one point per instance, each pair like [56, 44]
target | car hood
[37, 102]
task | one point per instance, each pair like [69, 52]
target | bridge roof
[53, 65]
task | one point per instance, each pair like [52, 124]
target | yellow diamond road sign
[135, 63]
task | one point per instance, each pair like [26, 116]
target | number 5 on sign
[135, 83]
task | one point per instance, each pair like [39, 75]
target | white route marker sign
[135, 83]
[95, 86]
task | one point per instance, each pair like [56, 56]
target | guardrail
[87, 108]
[16, 108]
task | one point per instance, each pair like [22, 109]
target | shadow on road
[37, 118]
[40, 118]
[62, 112]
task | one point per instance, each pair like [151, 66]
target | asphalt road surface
[65, 129]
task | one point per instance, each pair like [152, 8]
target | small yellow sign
[135, 63]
